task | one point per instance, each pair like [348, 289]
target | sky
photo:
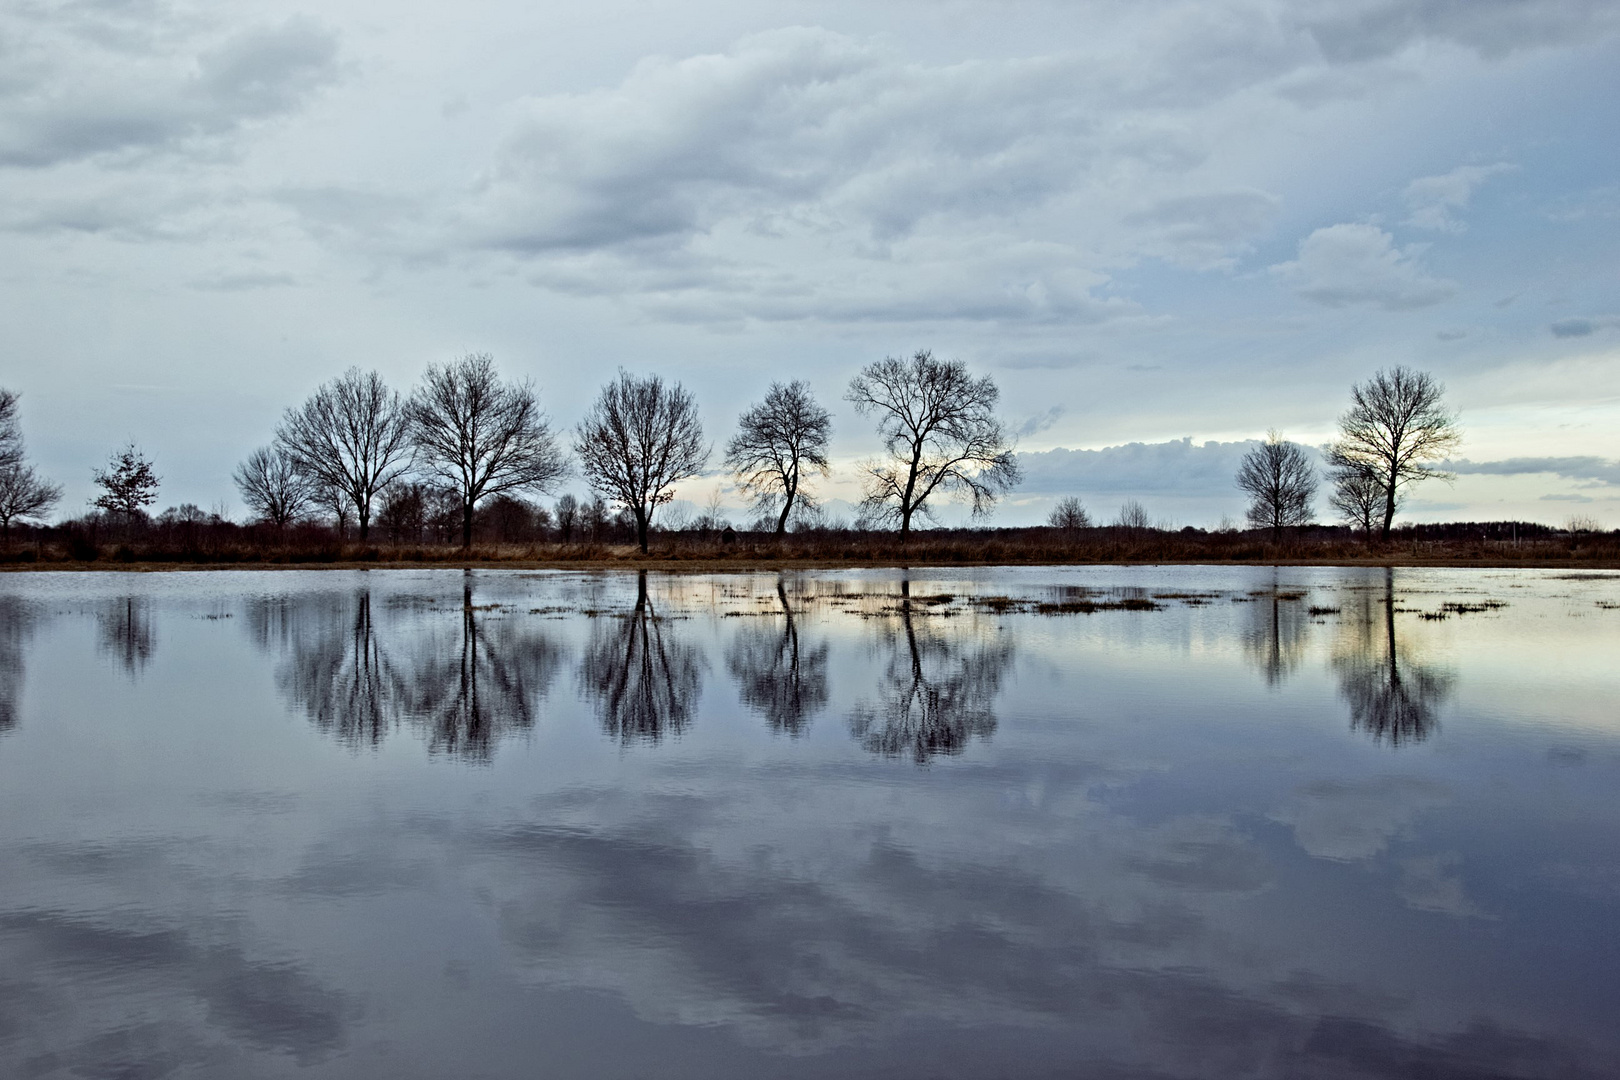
[1163, 229]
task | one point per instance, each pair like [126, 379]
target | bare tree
[1281, 481]
[1395, 426]
[939, 427]
[1069, 514]
[24, 493]
[128, 484]
[272, 488]
[777, 441]
[352, 436]
[567, 517]
[480, 436]
[1133, 516]
[1357, 495]
[639, 440]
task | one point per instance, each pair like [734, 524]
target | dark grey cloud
[73, 94]
[1583, 327]
[1595, 469]
[1351, 31]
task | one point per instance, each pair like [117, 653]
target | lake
[1097, 821]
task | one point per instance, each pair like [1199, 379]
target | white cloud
[1352, 264]
[1434, 200]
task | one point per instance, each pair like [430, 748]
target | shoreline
[757, 565]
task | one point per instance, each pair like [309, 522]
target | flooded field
[1106, 822]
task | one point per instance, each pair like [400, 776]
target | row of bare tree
[474, 436]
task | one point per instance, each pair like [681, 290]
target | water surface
[1112, 822]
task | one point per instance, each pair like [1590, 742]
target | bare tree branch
[1395, 426]
[777, 441]
[639, 440]
[351, 437]
[941, 435]
[272, 488]
[1281, 482]
[481, 437]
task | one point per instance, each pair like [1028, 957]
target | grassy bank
[1418, 546]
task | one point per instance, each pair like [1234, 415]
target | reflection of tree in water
[937, 693]
[644, 679]
[1390, 697]
[492, 681]
[1275, 636]
[18, 621]
[776, 677]
[462, 690]
[126, 633]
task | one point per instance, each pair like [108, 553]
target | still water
[1104, 822]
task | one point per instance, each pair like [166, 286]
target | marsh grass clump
[1319, 611]
[1456, 607]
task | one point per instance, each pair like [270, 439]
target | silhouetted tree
[1281, 481]
[1358, 495]
[129, 484]
[352, 436]
[1395, 426]
[941, 435]
[24, 493]
[1069, 514]
[567, 517]
[777, 678]
[1133, 516]
[777, 442]
[644, 679]
[480, 436]
[272, 488]
[403, 514]
[638, 441]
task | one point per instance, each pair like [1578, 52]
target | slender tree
[638, 441]
[1281, 481]
[353, 436]
[940, 433]
[567, 517]
[128, 485]
[1069, 514]
[482, 437]
[1395, 426]
[777, 442]
[1357, 495]
[272, 488]
[24, 493]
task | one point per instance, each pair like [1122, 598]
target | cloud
[1041, 421]
[1207, 229]
[1597, 204]
[1434, 200]
[1350, 821]
[1361, 30]
[1583, 327]
[72, 93]
[1355, 264]
[1178, 467]
[1596, 469]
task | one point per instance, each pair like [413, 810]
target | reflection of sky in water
[853, 823]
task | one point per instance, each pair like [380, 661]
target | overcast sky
[1162, 227]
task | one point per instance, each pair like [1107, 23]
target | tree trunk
[641, 530]
[787, 508]
[1389, 504]
[466, 524]
[365, 525]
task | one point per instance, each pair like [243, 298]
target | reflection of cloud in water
[938, 687]
[783, 681]
[642, 676]
[1351, 820]
[127, 970]
[1391, 696]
